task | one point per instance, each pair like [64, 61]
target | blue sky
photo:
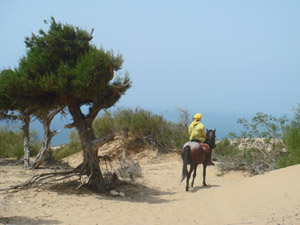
[204, 56]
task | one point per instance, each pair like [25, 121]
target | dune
[158, 197]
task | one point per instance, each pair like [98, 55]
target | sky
[216, 57]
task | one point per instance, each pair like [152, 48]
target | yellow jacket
[197, 131]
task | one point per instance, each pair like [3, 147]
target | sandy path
[159, 198]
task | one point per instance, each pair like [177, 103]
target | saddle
[205, 147]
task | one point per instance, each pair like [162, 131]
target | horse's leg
[188, 177]
[194, 175]
[204, 174]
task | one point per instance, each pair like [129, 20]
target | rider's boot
[209, 162]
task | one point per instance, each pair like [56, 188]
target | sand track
[158, 198]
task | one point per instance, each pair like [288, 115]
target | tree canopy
[62, 69]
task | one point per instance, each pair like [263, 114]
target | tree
[62, 69]
[17, 105]
[14, 109]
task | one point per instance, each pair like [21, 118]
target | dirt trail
[159, 198]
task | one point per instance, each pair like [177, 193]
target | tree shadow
[26, 220]
[11, 161]
[140, 193]
[134, 192]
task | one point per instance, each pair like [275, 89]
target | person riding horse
[197, 134]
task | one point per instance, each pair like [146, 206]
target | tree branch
[93, 112]
[70, 125]
[101, 141]
[55, 132]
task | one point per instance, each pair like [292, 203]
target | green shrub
[72, 147]
[141, 127]
[104, 125]
[225, 148]
[256, 149]
[12, 143]
[291, 139]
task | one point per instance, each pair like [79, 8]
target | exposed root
[39, 180]
[44, 178]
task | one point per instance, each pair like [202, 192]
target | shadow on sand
[140, 193]
[134, 192]
[26, 220]
[198, 188]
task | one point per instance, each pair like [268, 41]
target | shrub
[141, 127]
[72, 147]
[256, 149]
[291, 139]
[11, 143]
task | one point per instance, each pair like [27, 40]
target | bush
[256, 149]
[141, 127]
[291, 139]
[254, 155]
[226, 148]
[72, 147]
[12, 143]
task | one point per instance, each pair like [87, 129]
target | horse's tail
[185, 162]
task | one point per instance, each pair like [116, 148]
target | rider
[197, 133]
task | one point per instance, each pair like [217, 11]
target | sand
[157, 198]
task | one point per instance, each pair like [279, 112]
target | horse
[193, 154]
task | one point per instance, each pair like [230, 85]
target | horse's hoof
[186, 189]
[204, 184]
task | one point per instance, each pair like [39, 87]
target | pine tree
[63, 69]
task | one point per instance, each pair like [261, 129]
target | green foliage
[62, 69]
[141, 127]
[256, 149]
[11, 143]
[225, 148]
[72, 147]
[263, 126]
[291, 139]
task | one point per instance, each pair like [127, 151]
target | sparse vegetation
[11, 143]
[256, 149]
[72, 147]
[141, 127]
[291, 138]
[266, 142]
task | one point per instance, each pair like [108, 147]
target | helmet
[198, 116]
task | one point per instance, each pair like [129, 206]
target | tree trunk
[90, 149]
[48, 134]
[91, 162]
[25, 128]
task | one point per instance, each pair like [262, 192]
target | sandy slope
[158, 198]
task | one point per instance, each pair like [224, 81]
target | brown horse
[193, 154]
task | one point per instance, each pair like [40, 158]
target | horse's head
[211, 138]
